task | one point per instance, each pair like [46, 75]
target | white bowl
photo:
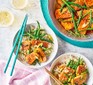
[67, 56]
[55, 47]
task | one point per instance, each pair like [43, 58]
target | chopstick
[21, 31]
[53, 77]
[24, 26]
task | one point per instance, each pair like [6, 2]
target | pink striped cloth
[23, 76]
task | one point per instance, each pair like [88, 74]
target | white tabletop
[34, 11]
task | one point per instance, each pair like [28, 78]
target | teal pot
[48, 7]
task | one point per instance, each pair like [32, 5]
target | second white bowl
[64, 57]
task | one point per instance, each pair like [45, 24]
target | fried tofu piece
[91, 25]
[59, 2]
[37, 42]
[83, 13]
[57, 6]
[83, 31]
[67, 25]
[62, 77]
[41, 53]
[26, 45]
[79, 80]
[80, 69]
[89, 3]
[62, 15]
[68, 20]
[83, 25]
[45, 44]
[80, 2]
[30, 58]
[68, 70]
[62, 66]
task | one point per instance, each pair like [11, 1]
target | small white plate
[11, 18]
[17, 4]
[67, 56]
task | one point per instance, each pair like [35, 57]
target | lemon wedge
[19, 4]
[6, 18]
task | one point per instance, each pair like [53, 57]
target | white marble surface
[34, 11]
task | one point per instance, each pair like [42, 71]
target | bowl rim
[86, 60]
[54, 53]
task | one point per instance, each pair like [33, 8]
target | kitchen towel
[23, 75]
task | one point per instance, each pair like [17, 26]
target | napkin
[23, 75]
